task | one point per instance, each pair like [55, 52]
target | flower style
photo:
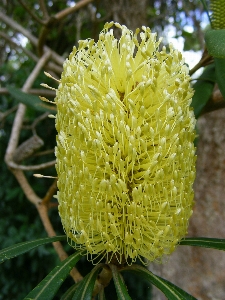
[125, 153]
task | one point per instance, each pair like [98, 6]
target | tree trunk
[132, 13]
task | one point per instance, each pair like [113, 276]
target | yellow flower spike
[218, 12]
[125, 156]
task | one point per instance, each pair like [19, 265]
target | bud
[125, 156]
[218, 12]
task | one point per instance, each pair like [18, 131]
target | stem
[204, 61]
[62, 14]
[103, 280]
[18, 121]
[43, 213]
[44, 9]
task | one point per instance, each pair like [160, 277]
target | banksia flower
[218, 12]
[125, 153]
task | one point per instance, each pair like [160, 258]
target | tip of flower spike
[137, 31]
[50, 76]
[108, 25]
[42, 176]
[48, 87]
[38, 175]
[46, 100]
[118, 25]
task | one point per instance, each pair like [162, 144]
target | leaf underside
[170, 290]
[215, 42]
[203, 89]
[85, 288]
[214, 243]
[30, 100]
[24, 247]
[121, 288]
[49, 286]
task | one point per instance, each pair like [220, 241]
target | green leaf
[86, 286]
[24, 247]
[30, 100]
[121, 288]
[70, 292]
[220, 74]
[218, 244]
[170, 290]
[49, 286]
[101, 295]
[215, 42]
[203, 89]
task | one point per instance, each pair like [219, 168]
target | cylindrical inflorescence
[125, 152]
[218, 14]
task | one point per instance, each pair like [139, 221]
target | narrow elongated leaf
[49, 286]
[86, 286]
[30, 100]
[218, 244]
[215, 42]
[203, 89]
[21, 248]
[220, 74]
[121, 288]
[170, 290]
[70, 292]
[101, 295]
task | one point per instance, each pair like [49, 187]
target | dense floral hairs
[125, 156]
